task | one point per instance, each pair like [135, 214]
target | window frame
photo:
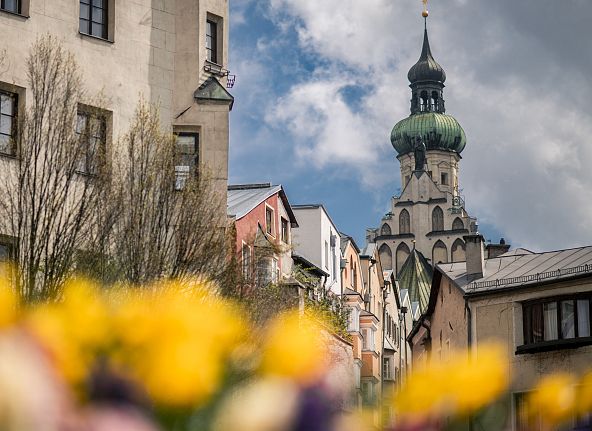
[531, 346]
[14, 121]
[285, 230]
[444, 179]
[212, 36]
[20, 7]
[194, 135]
[92, 113]
[387, 373]
[246, 262]
[108, 25]
[270, 224]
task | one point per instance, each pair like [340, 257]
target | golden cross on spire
[425, 8]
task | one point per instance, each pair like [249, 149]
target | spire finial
[425, 12]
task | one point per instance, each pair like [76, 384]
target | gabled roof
[514, 271]
[416, 277]
[212, 90]
[344, 241]
[517, 252]
[313, 207]
[244, 198]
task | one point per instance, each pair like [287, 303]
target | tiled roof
[509, 271]
[416, 277]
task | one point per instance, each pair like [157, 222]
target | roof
[308, 265]
[212, 90]
[369, 250]
[517, 252]
[426, 68]
[516, 270]
[244, 198]
[416, 277]
[347, 239]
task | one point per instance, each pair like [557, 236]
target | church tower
[429, 216]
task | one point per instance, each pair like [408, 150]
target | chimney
[474, 255]
[494, 250]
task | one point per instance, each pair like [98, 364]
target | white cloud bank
[526, 169]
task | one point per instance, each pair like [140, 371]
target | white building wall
[310, 239]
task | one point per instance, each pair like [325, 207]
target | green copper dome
[439, 131]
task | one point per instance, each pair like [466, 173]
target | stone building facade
[170, 52]
[536, 306]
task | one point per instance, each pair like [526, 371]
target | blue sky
[320, 85]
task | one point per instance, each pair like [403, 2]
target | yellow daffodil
[8, 305]
[449, 388]
[294, 348]
[554, 399]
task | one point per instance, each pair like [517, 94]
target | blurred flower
[265, 405]
[31, 397]
[553, 399]
[177, 341]
[584, 396]
[449, 388]
[8, 302]
[294, 348]
[73, 330]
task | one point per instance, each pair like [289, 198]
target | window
[5, 252]
[275, 271]
[404, 222]
[212, 41]
[368, 339]
[367, 392]
[93, 18]
[437, 219]
[8, 111]
[326, 255]
[458, 251]
[357, 375]
[11, 5]
[553, 322]
[458, 224]
[91, 131]
[269, 225]
[444, 178]
[285, 231]
[439, 253]
[187, 157]
[246, 260]
[386, 257]
[385, 230]
[387, 373]
[353, 321]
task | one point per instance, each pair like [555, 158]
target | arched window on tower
[402, 255]
[386, 257]
[434, 101]
[458, 251]
[458, 224]
[423, 101]
[437, 219]
[404, 222]
[385, 230]
[439, 253]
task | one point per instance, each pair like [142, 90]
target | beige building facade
[536, 305]
[173, 53]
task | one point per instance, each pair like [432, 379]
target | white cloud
[525, 169]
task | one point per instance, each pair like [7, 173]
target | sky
[320, 85]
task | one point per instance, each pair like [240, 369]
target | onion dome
[428, 119]
[426, 68]
[439, 131]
